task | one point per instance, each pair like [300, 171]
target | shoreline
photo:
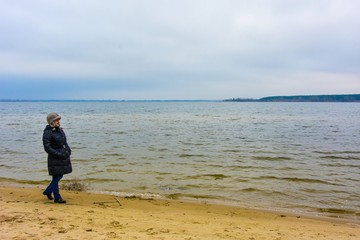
[217, 202]
[335, 217]
[27, 214]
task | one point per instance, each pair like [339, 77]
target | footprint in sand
[116, 224]
[111, 235]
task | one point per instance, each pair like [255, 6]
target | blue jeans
[54, 186]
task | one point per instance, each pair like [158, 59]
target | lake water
[298, 157]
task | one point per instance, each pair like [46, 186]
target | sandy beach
[27, 214]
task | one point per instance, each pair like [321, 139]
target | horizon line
[111, 100]
[173, 100]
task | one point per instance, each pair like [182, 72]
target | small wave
[338, 211]
[114, 170]
[272, 158]
[77, 147]
[160, 173]
[250, 189]
[339, 165]
[192, 144]
[142, 196]
[179, 163]
[175, 196]
[121, 132]
[20, 181]
[214, 176]
[116, 165]
[102, 180]
[152, 149]
[264, 192]
[320, 191]
[242, 180]
[190, 155]
[232, 151]
[193, 196]
[310, 190]
[215, 165]
[295, 179]
[246, 167]
[7, 151]
[6, 166]
[288, 169]
[13, 124]
[337, 152]
[113, 155]
[340, 157]
[83, 160]
[197, 186]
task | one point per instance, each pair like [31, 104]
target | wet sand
[26, 214]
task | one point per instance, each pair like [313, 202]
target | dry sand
[26, 214]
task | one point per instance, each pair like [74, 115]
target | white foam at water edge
[130, 195]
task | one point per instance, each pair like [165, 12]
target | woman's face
[56, 123]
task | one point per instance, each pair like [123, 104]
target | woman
[55, 144]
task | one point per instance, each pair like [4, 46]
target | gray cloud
[188, 49]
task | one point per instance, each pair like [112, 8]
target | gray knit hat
[51, 117]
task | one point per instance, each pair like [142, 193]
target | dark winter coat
[55, 144]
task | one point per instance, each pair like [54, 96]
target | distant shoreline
[303, 98]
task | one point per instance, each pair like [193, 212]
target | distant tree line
[302, 98]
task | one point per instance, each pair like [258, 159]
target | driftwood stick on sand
[103, 202]
[118, 201]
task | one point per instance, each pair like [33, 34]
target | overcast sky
[178, 49]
